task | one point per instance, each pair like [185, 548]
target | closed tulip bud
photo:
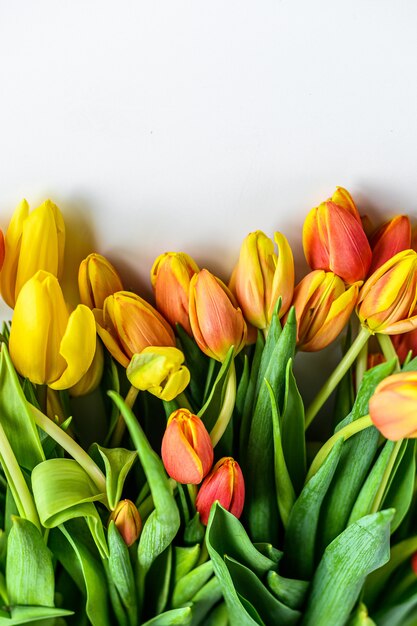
[393, 407]
[414, 563]
[404, 344]
[48, 344]
[389, 239]
[92, 378]
[388, 298]
[334, 239]
[128, 324]
[170, 276]
[322, 307]
[261, 277]
[159, 371]
[34, 241]
[216, 320]
[127, 520]
[187, 451]
[226, 485]
[374, 359]
[97, 279]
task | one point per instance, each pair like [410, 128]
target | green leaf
[197, 362]
[205, 599]
[38, 614]
[16, 418]
[242, 388]
[158, 583]
[163, 523]
[289, 591]
[211, 409]
[29, 572]
[301, 533]
[293, 431]
[185, 560]
[401, 489]
[360, 549]
[190, 584]
[64, 491]
[219, 616]
[262, 515]
[176, 617]
[121, 572]
[250, 390]
[117, 462]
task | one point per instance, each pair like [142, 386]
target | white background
[183, 125]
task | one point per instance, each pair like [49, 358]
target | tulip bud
[414, 563]
[388, 298]
[47, 344]
[393, 407]
[92, 378]
[33, 242]
[224, 483]
[334, 240]
[128, 324]
[322, 308]
[170, 276]
[389, 239]
[216, 321]
[261, 277]
[187, 451]
[159, 371]
[404, 344]
[374, 359]
[127, 520]
[97, 279]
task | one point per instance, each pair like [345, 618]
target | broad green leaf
[301, 533]
[250, 391]
[401, 489]
[197, 362]
[42, 615]
[268, 607]
[29, 571]
[110, 381]
[205, 599]
[185, 559]
[163, 523]
[121, 572]
[219, 616]
[158, 583]
[359, 550]
[64, 491]
[194, 531]
[15, 416]
[190, 584]
[289, 591]
[293, 431]
[357, 457]
[242, 388]
[400, 610]
[211, 409]
[117, 462]
[176, 617]
[87, 571]
[258, 465]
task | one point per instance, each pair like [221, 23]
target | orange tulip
[187, 451]
[128, 324]
[393, 407]
[414, 563]
[322, 307]
[261, 277]
[97, 279]
[170, 276]
[216, 321]
[225, 483]
[127, 520]
[389, 239]
[387, 300]
[334, 239]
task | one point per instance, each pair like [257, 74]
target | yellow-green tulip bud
[34, 241]
[160, 371]
[97, 279]
[48, 344]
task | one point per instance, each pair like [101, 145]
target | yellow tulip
[97, 279]
[160, 371]
[34, 241]
[48, 344]
[92, 378]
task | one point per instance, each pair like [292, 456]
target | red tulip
[224, 483]
[389, 239]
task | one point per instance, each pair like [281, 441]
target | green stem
[20, 491]
[337, 375]
[386, 477]
[344, 433]
[388, 349]
[182, 401]
[228, 405]
[71, 446]
[119, 429]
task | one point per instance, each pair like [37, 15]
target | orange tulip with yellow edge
[97, 279]
[323, 306]
[261, 276]
[216, 320]
[392, 237]
[334, 239]
[387, 300]
[170, 276]
[34, 241]
[393, 407]
[48, 344]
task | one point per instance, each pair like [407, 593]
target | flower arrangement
[197, 494]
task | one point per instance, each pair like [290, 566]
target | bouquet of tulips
[157, 465]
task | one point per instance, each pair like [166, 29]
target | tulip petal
[109, 340]
[175, 384]
[283, 281]
[392, 237]
[180, 460]
[12, 250]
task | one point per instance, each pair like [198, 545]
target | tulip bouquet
[157, 461]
